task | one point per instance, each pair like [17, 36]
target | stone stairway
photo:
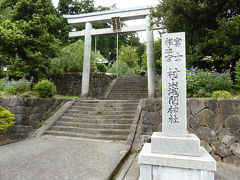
[96, 119]
[129, 88]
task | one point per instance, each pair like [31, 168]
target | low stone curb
[51, 120]
[108, 90]
[130, 141]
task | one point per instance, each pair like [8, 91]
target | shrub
[45, 89]
[237, 73]
[3, 84]
[6, 119]
[73, 68]
[25, 94]
[18, 87]
[122, 69]
[221, 94]
[70, 58]
[101, 68]
[203, 83]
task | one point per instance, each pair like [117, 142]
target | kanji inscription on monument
[174, 119]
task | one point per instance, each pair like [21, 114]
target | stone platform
[175, 167]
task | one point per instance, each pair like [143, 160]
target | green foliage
[224, 45]
[26, 94]
[75, 7]
[18, 87]
[221, 94]
[70, 58]
[122, 69]
[128, 55]
[3, 84]
[157, 57]
[6, 119]
[29, 36]
[237, 73]
[212, 30]
[202, 84]
[101, 68]
[45, 89]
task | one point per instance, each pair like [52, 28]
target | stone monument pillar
[173, 154]
[150, 59]
[86, 60]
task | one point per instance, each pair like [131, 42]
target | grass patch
[5, 94]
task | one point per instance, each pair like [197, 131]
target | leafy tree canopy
[128, 55]
[28, 36]
[205, 23]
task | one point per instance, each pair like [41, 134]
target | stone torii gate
[107, 17]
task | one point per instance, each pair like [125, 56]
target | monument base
[188, 146]
[154, 166]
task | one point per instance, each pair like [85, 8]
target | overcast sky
[121, 4]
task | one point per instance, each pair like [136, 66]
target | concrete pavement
[50, 158]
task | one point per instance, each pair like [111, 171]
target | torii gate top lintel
[105, 16]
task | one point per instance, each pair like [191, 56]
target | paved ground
[224, 172]
[49, 158]
[59, 159]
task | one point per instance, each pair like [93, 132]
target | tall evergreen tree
[28, 37]
[197, 18]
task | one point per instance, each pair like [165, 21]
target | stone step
[106, 112]
[129, 93]
[128, 86]
[116, 105]
[99, 120]
[127, 98]
[116, 96]
[107, 101]
[90, 108]
[141, 81]
[93, 126]
[91, 131]
[87, 135]
[87, 116]
[130, 89]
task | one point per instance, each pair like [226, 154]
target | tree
[128, 55]
[157, 51]
[28, 38]
[121, 69]
[195, 18]
[223, 45]
[75, 6]
[70, 58]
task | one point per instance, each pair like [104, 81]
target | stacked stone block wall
[29, 113]
[215, 122]
[71, 83]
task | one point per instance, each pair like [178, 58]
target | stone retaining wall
[29, 113]
[215, 122]
[71, 83]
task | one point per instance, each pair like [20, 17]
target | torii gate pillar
[86, 60]
[150, 59]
